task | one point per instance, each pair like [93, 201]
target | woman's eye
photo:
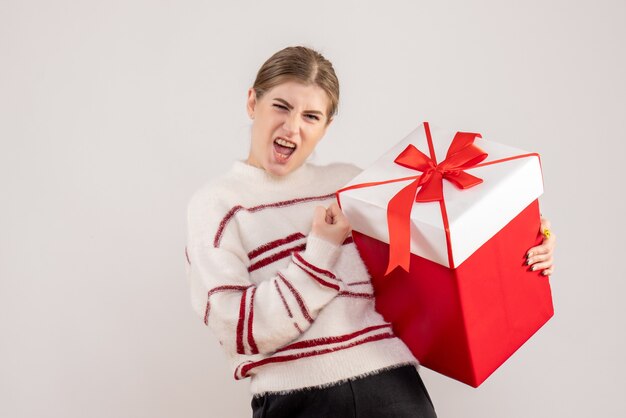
[280, 106]
[315, 117]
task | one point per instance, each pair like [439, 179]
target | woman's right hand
[330, 224]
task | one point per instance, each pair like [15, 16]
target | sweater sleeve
[253, 318]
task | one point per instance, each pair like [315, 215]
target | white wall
[112, 113]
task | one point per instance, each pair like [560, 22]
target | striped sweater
[290, 309]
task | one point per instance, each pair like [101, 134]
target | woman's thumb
[319, 216]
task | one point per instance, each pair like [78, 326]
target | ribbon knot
[462, 154]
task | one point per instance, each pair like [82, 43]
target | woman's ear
[251, 102]
[328, 123]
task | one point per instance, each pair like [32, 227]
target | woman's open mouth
[283, 149]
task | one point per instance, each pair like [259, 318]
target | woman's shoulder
[215, 195]
[224, 191]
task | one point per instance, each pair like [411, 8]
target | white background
[112, 113]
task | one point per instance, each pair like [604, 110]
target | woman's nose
[292, 124]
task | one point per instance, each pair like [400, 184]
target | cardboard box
[458, 291]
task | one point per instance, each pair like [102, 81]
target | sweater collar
[299, 177]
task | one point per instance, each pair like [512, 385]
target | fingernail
[528, 261]
[532, 268]
[530, 253]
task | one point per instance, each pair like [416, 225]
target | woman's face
[287, 123]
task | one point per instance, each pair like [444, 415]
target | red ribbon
[462, 154]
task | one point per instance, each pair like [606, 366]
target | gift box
[443, 222]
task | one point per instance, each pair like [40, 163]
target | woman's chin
[281, 166]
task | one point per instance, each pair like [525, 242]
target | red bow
[462, 154]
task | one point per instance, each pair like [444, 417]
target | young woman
[274, 272]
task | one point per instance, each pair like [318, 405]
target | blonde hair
[302, 64]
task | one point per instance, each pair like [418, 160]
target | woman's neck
[299, 177]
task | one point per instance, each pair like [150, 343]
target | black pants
[394, 393]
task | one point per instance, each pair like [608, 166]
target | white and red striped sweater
[291, 309]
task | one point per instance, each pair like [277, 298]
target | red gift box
[464, 315]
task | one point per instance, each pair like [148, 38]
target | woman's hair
[302, 64]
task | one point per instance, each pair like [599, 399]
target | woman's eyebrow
[290, 107]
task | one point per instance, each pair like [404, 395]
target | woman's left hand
[541, 256]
